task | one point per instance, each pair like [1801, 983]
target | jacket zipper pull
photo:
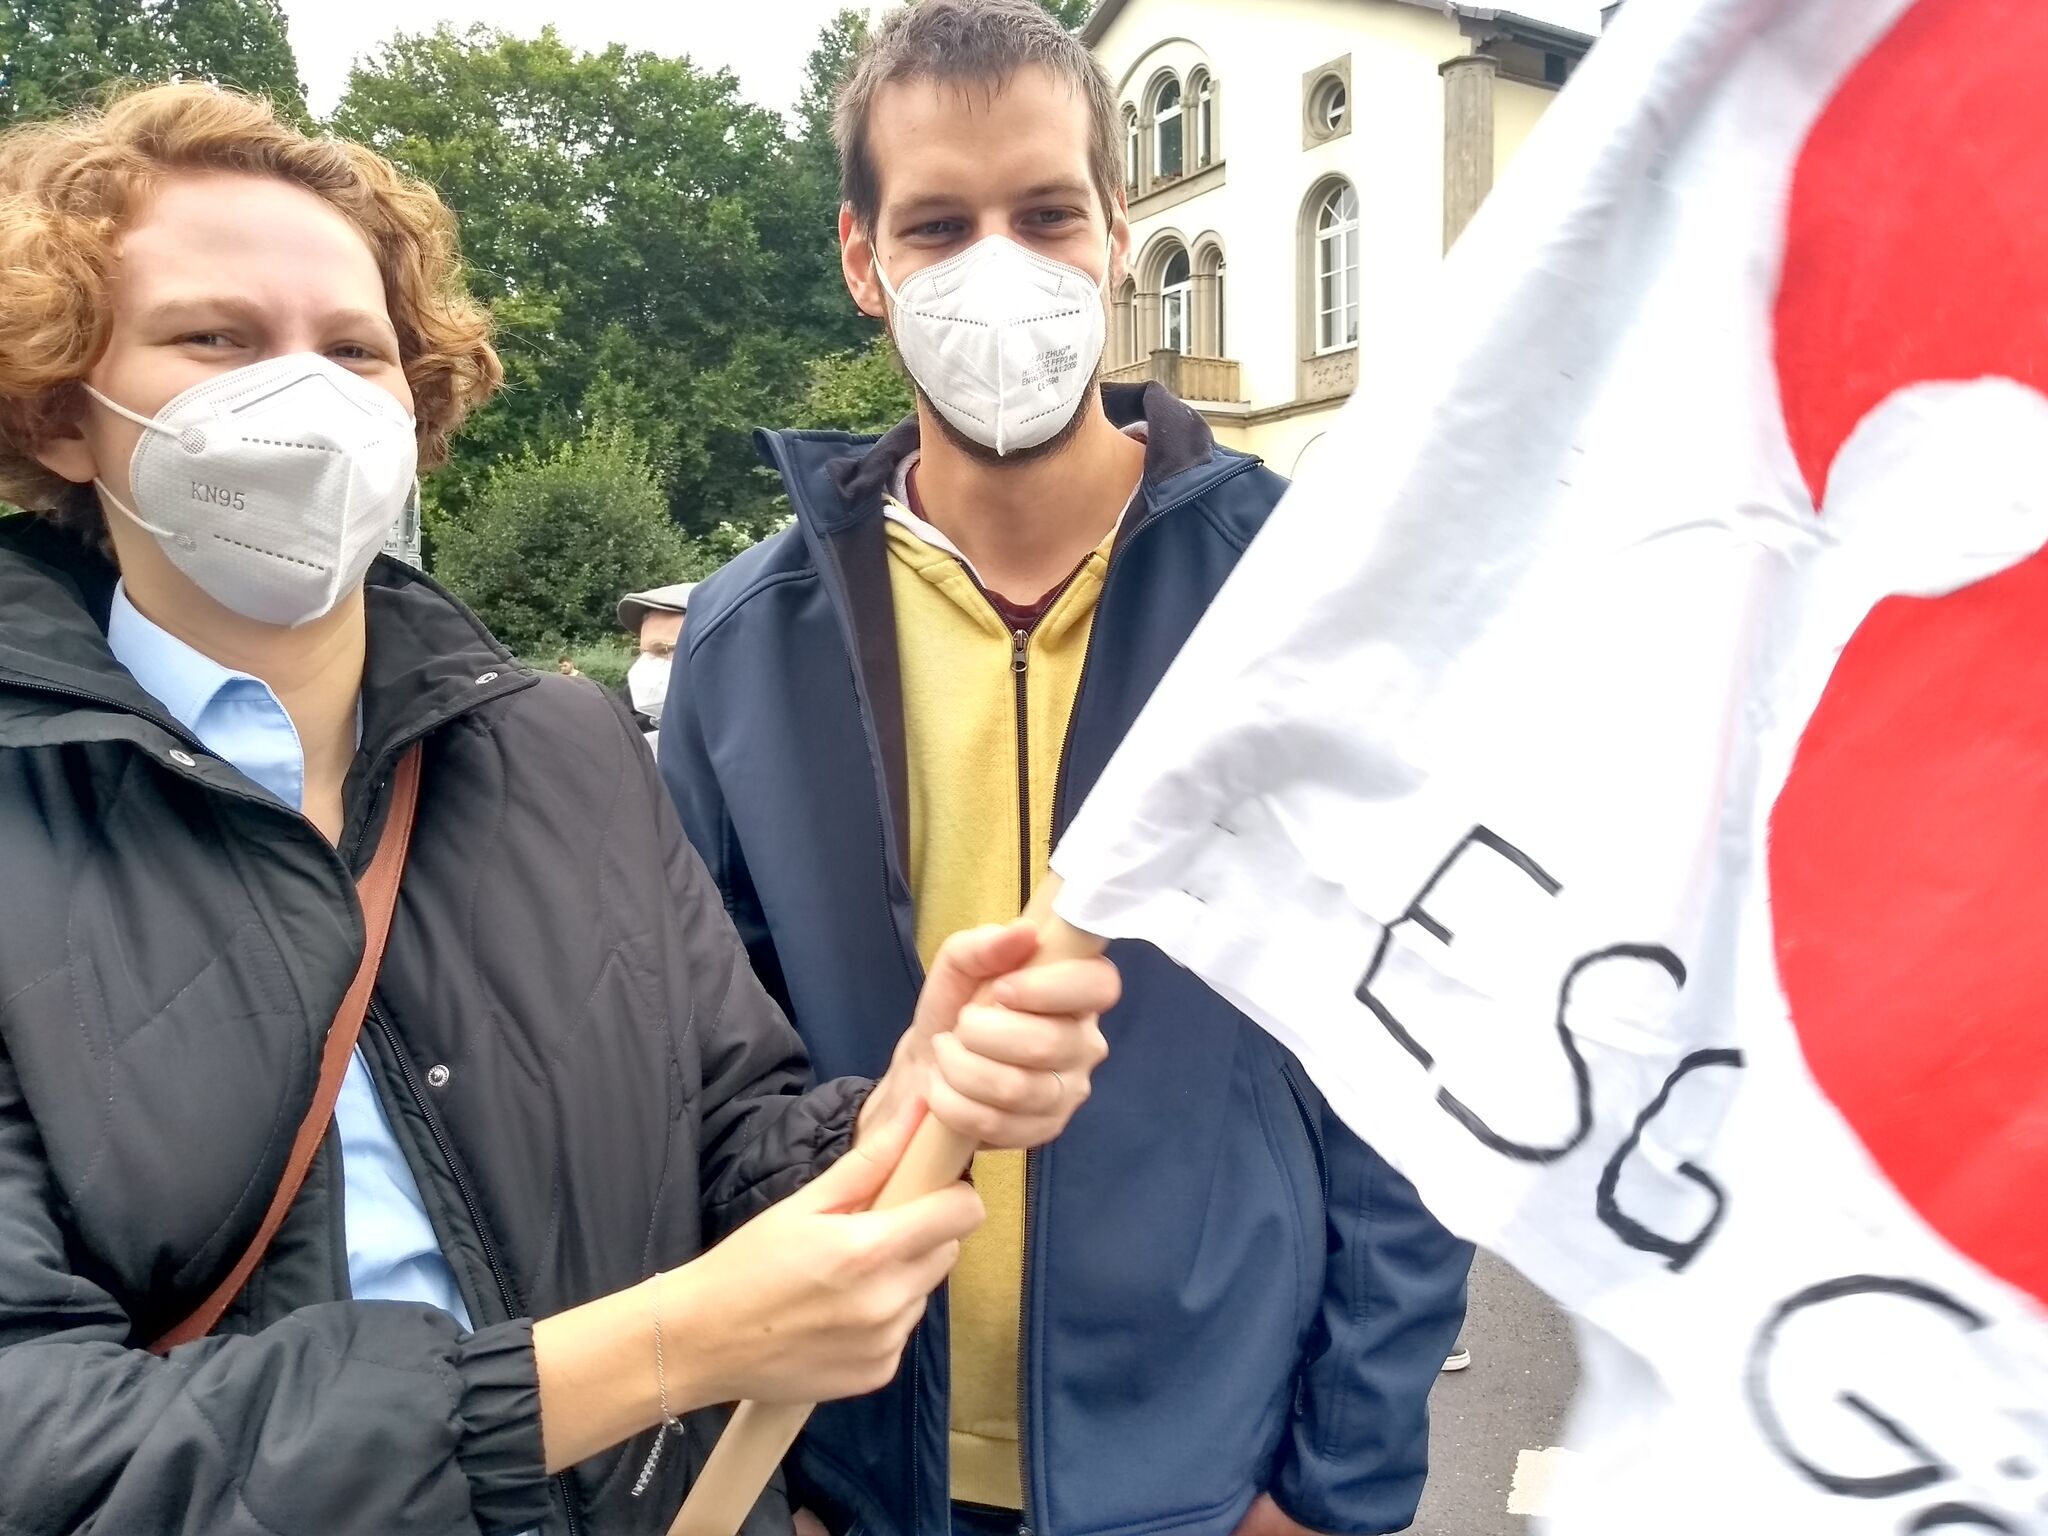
[1020, 648]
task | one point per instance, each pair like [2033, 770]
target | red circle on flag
[1909, 849]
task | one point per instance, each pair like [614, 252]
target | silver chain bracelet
[670, 1424]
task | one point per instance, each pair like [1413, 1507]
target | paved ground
[1502, 1415]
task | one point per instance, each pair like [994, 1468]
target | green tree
[853, 382]
[825, 311]
[551, 542]
[56, 54]
[243, 43]
[858, 391]
[831, 60]
[642, 233]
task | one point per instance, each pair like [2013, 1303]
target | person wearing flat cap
[655, 617]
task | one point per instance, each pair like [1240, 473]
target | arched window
[1337, 269]
[1203, 91]
[1133, 151]
[1209, 333]
[1168, 149]
[1176, 303]
[1129, 349]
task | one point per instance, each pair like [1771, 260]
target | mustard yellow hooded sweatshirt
[985, 712]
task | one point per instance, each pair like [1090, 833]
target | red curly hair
[68, 188]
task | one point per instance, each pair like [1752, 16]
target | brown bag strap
[378, 889]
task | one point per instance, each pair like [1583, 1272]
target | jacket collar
[428, 660]
[837, 479]
[837, 484]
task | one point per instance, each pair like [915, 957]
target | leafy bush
[550, 544]
[863, 391]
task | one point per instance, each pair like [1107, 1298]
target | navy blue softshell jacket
[1226, 1291]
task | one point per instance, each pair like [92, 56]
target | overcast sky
[764, 42]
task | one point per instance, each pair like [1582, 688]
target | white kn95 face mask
[1003, 342]
[272, 487]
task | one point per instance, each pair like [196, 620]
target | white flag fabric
[1620, 770]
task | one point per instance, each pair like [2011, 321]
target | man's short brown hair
[970, 43]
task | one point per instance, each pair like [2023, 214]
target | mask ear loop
[148, 424]
[182, 540]
[888, 288]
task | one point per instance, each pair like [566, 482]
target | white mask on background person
[272, 487]
[647, 684]
[1003, 342]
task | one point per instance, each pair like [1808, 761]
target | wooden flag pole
[761, 1434]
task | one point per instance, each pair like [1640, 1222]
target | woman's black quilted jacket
[173, 944]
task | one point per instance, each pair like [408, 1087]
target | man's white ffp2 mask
[1003, 342]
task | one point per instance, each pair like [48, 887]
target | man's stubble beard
[1051, 448]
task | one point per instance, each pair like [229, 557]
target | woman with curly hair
[377, 1063]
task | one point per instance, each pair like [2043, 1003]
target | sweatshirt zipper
[1020, 671]
[1023, 1330]
[397, 1052]
[916, 1395]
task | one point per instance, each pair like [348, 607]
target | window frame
[1177, 302]
[1162, 117]
[1342, 237]
[1204, 136]
[1209, 267]
[1318, 87]
[1333, 107]
[1129, 332]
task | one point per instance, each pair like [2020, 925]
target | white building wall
[1517, 107]
[1259, 51]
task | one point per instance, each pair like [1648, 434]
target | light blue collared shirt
[393, 1254]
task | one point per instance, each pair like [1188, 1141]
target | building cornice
[1484, 23]
[1107, 12]
[1174, 193]
[1266, 415]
